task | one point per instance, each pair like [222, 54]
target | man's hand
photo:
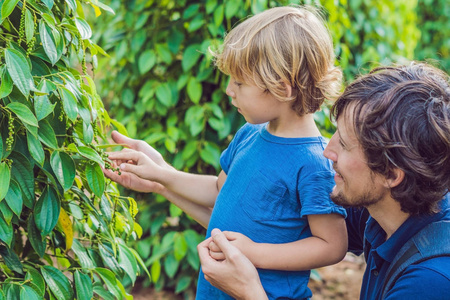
[240, 241]
[235, 275]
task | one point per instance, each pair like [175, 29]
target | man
[391, 153]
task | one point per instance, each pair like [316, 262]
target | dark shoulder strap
[432, 241]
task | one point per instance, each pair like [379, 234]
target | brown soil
[341, 281]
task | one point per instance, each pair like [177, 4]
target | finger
[222, 242]
[125, 155]
[213, 247]
[119, 138]
[217, 255]
[203, 251]
[231, 235]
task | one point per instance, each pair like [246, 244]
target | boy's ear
[288, 90]
[396, 176]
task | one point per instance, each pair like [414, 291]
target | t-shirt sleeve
[356, 223]
[228, 154]
[314, 193]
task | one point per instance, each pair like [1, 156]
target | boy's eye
[237, 83]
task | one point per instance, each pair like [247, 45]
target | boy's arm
[198, 212]
[326, 246]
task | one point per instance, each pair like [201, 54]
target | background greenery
[64, 230]
[159, 82]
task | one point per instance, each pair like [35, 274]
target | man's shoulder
[429, 279]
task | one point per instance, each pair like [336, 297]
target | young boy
[275, 183]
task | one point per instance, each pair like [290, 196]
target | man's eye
[342, 144]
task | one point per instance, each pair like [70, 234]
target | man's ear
[396, 176]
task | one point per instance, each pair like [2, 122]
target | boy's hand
[235, 274]
[132, 180]
[240, 241]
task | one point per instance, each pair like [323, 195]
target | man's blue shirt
[427, 280]
[272, 184]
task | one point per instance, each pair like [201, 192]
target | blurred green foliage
[434, 21]
[159, 81]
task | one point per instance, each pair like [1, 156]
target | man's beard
[361, 201]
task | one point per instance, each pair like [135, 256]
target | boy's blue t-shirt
[272, 184]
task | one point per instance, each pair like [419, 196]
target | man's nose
[330, 150]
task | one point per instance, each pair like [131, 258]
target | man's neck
[389, 215]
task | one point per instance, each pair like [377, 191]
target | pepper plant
[64, 229]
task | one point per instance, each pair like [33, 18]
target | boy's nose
[229, 92]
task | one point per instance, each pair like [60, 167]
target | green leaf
[6, 85]
[83, 286]
[146, 61]
[57, 282]
[180, 247]
[140, 262]
[194, 90]
[91, 154]
[210, 154]
[22, 172]
[36, 280]
[95, 179]
[29, 25]
[48, 42]
[23, 112]
[69, 103]
[182, 284]
[190, 57]
[83, 27]
[35, 238]
[231, 8]
[72, 4]
[11, 260]
[128, 262]
[102, 292]
[6, 232]
[5, 175]
[155, 271]
[19, 70]
[48, 3]
[108, 258]
[35, 148]
[171, 265]
[8, 7]
[47, 211]
[164, 94]
[218, 15]
[84, 259]
[14, 197]
[64, 168]
[109, 278]
[12, 291]
[6, 211]
[47, 134]
[28, 293]
[43, 107]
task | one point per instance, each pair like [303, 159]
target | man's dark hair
[402, 120]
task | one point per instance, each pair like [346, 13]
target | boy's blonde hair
[284, 45]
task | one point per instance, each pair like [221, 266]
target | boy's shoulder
[247, 130]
